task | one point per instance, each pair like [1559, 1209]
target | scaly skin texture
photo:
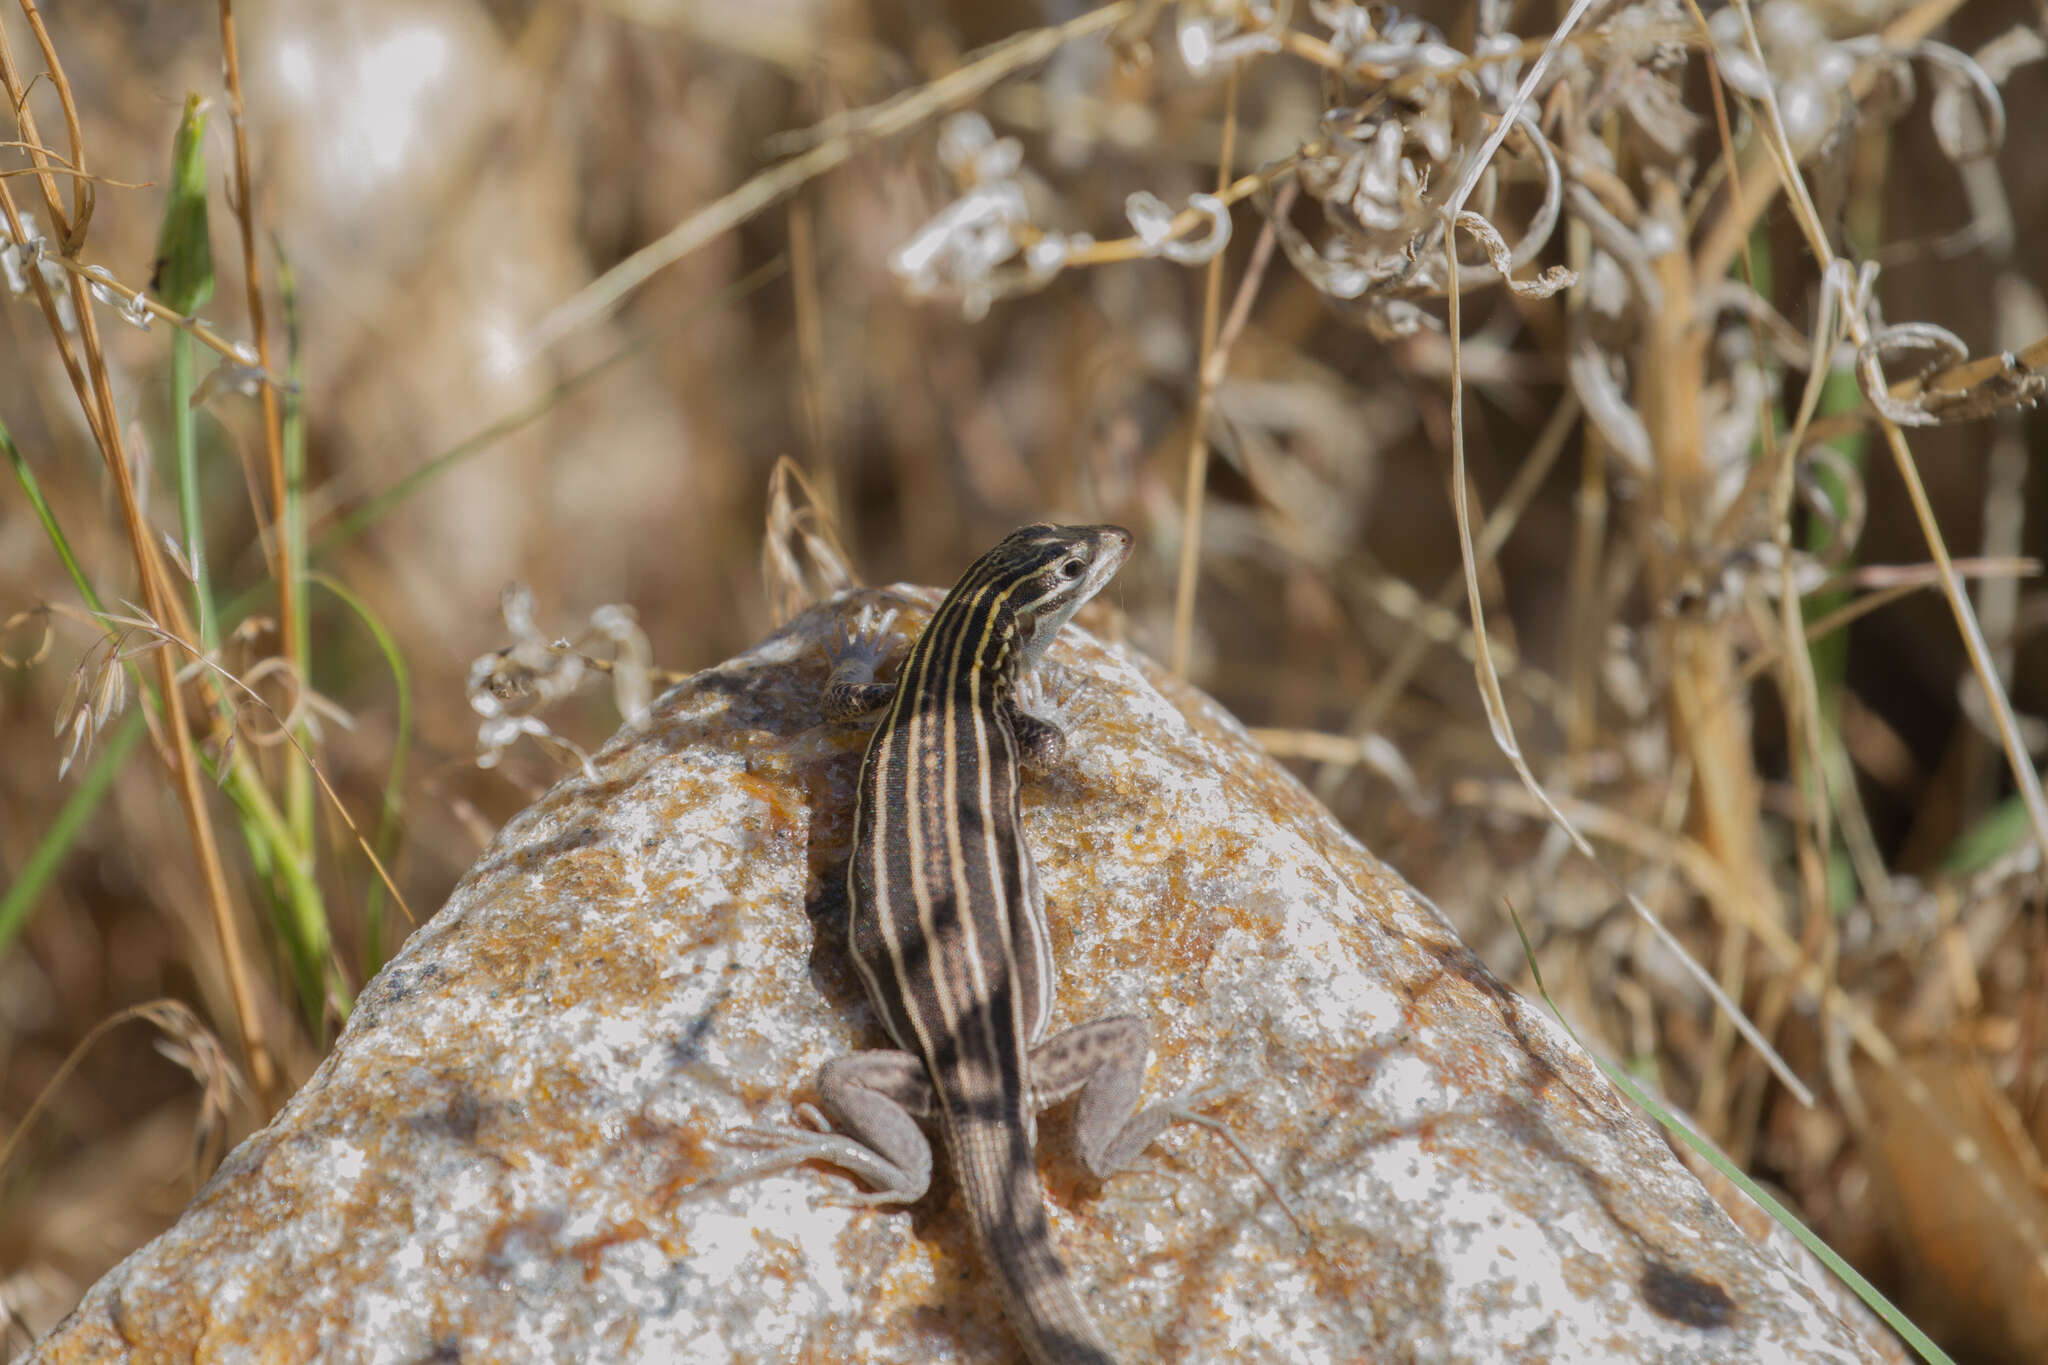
[948, 931]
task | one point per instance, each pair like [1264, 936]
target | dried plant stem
[1135, 248]
[191, 788]
[1706, 875]
[2017, 758]
[1502, 725]
[18, 229]
[94, 389]
[1398, 82]
[197, 328]
[1977, 371]
[841, 137]
[1535, 467]
[291, 849]
[287, 729]
[1753, 189]
[1208, 377]
[84, 189]
[1476, 165]
[70, 1063]
[1811, 734]
[288, 588]
[1588, 604]
[1701, 653]
[1930, 12]
[70, 229]
[810, 347]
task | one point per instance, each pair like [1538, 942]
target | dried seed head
[179, 558]
[802, 561]
[81, 742]
[110, 692]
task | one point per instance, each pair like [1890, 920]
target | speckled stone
[517, 1149]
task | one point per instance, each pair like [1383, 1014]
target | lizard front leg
[875, 1100]
[1040, 722]
[851, 692]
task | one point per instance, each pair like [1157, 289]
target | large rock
[516, 1151]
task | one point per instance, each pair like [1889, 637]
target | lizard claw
[1186, 1107]
[810, 1138]
[1031, 693]
[856, 652]
[863, 640]
[1066, 705]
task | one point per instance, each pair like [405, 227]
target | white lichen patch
[344, 1163]
[1402, 1171]
[1406, 1090]
[1503, 1279]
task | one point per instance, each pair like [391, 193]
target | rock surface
[516, 1150]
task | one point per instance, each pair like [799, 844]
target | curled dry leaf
[1545, 284]
[1217, 33]
[1981, 387]
[632, 662]
[1897, 338]
[1153, 221]
[509, 687]
[12, 657]
[494, 736]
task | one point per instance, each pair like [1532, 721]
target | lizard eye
[1072, 569]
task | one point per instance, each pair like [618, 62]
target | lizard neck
[969, 652]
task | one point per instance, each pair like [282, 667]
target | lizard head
[1051, 571]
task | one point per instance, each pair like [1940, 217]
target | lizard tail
[998, 1177]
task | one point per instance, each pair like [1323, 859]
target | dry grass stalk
[94, 388]
[1210, 371]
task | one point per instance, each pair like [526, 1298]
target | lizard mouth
[1112, 546]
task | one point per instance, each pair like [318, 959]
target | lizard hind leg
[874, 1100]
[1104, 1063]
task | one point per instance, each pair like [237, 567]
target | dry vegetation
[1733, 467]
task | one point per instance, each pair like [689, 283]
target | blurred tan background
[443, 175]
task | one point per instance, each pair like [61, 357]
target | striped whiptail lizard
[948, 930]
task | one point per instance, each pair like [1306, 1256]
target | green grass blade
[48, 855]
[297, 907]
[394, 781]
[2002, 829]
[298, 775]
[185, 442]
[27, 479]
[183, 277]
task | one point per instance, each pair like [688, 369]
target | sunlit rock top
[517, 1149]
